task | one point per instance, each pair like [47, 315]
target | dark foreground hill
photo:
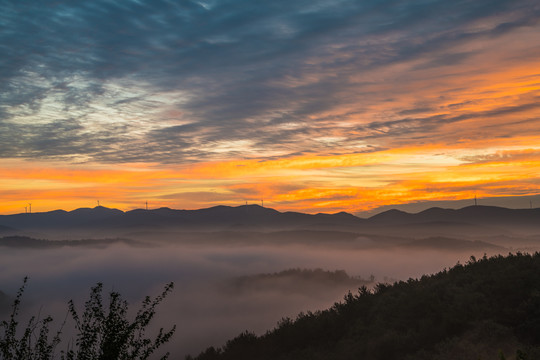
[487, 309]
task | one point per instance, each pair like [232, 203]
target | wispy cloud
[277, 74]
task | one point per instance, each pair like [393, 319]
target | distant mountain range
[477, 215]
[220, 217]
[255, 217]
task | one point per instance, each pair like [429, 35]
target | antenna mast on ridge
[98, 203]
[475, 202]
[30, 207]
[146, 204]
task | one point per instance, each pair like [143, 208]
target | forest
[488, 308]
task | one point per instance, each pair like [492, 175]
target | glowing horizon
[336, 106]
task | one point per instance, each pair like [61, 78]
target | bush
[103, 332]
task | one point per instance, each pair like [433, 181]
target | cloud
[106, 74]
[527, 155]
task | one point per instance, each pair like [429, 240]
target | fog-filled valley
[246, 276]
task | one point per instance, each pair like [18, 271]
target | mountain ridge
[255, 216]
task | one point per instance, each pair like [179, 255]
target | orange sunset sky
[312, 106]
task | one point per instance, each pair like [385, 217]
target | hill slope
[481, 310]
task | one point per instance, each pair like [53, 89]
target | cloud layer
[173, 82]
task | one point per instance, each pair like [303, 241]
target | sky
[312, 106]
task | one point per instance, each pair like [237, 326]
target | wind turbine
[30, 206]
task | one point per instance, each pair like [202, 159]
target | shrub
[103, 332]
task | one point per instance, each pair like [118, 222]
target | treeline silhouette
[486, 309]
[297, 280]
[18, 241]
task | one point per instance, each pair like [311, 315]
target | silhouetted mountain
[478, 215]
[59, 219]
[254, 217]
[392, 216]
[247, 216]
[93, 214]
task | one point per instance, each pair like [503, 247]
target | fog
[205, 307]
